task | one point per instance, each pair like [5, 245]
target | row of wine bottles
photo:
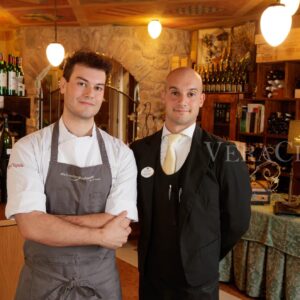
[224, 77]
[11, 76]
[6, 143]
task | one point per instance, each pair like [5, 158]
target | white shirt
[29, 163]
[182, 147]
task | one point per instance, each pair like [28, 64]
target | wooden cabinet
[11, 256]
[259, 121]
[273, 115]
[18, 109]
[218, 114]
[17, 105]
[291, 72]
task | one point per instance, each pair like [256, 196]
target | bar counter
[11, 256]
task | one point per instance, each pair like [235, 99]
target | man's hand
[115, 233]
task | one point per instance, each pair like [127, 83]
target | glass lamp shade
[275, 24]
[154, 28]
[291, 5]
[55, 53]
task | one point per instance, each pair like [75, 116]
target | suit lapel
[197, 165]
[149, 158]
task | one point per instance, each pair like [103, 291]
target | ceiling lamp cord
[55, 51]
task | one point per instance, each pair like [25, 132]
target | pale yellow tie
[169, 165]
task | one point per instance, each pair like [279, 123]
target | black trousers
[157, 289]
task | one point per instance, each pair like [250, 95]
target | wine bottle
[235, 76]
[228, 78]
[222, 79]
[20, 77]
[218, 79]
[3, 76]
[6, 146]
[203, 76]
[11, 77]
[208, 83]
[212, 79]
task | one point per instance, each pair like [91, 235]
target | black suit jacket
[215, 202]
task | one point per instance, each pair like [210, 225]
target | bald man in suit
[192, 217]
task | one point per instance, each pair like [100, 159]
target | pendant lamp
[55, 51]
[275, 24]
[154, 28]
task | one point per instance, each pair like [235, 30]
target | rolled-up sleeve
[25, 186]
[123, 191]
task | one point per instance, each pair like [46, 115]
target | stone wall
[146, 59]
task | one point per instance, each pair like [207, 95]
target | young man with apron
[72, 192]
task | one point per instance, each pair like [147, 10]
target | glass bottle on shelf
[3, 76]
[6, 146]
[208, 78]
[245, 80]
[222, 79]
[20, 77]
[228, 78]
[204, 82]
[217, 79]
[11, 76]
[235, 76]
[212, 79]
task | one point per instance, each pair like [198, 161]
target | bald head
[184, 74]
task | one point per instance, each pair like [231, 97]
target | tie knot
[173, 138]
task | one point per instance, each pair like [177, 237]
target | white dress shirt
[29, 163]
[182, 147]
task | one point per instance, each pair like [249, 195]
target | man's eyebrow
[83, 79]
[190, 89]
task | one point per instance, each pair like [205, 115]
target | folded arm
[55, 231]
[96, 220]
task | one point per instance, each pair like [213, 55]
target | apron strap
[101, 144]
[54, 143]
[104, 157]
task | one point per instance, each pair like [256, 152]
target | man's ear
[202, 99]
[62, 85]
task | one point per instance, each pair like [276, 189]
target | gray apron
[71, 273]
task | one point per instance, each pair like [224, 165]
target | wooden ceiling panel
[43, 16]
[189, 15]
[26, 4]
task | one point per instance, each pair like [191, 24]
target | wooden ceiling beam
[78, 12]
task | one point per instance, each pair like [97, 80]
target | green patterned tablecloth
[279, 232]
[266, 261]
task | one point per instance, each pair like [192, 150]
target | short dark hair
[86, 58]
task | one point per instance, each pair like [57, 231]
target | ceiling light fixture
[291, 5]
[154, 28]
[275, 24]
[55, 51]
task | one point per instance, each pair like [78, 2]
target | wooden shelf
[251, 134]
[18, 105]
[221, 124]
[263, 99]
[276, 136]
